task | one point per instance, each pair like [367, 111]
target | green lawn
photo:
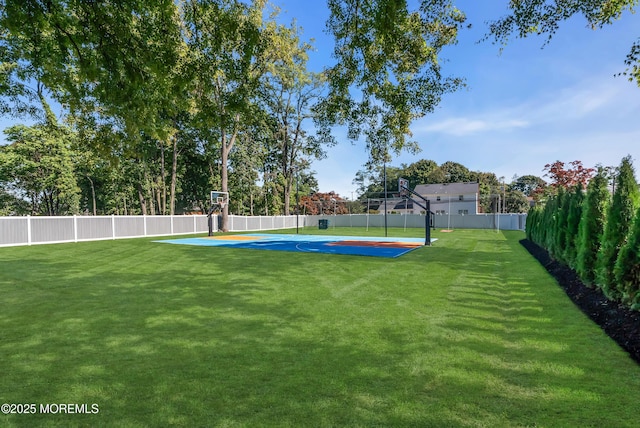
[470, 332]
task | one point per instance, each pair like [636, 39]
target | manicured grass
[469, 332]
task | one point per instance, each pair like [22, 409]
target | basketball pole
[384, 174]
[297, 203]
[426, 207]
[368, 214]
[210, 219]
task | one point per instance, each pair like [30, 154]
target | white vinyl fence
[457, 221]
[245, 223]
[48, 230]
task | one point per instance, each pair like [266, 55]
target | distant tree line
[494, 194]
[594, 230]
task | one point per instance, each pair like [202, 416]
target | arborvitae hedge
[573, 222]
[560, 226]
[582, 230]
[531, 226]
[627, 267]
[592, 224]
[550, 211]
[619, 220]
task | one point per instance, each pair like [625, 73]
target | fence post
[75, 228]
[29, 230]
[171, 224]
[144, 224]
[113, 226]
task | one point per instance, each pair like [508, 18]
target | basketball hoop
[403, 185]
[220, 199]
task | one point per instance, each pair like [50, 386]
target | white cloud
[595, 103]
[461, 126]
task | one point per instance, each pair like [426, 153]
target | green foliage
[633, 63]
[592, 226]
[533, 225]
[574, 215]
[516, 202]
[9, 203]
[390, 54]
[619, 220]
[456, 173]
[560, 225]
[109, 51]
[627, 267]
[528, 184]
[287, 92]
[420, 172]
[536, 17]
[549, 220]
[38, 166]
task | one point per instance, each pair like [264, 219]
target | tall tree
[229, 48]
[619, 219]
[562, 176]
[488, 188]
[561, 219]
[627, 267]
[528, 184]
[288, 92]
[592, 225]
[576, 200]
[120, 62]
[456, 172]
[418, 172]
[388, 68]
[39, 167]
[516, 202]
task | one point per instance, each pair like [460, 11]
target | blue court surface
[352, 245]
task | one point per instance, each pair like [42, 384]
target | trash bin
[323, 224]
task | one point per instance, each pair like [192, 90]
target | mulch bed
[619, 322]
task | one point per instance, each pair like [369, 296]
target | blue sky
[524, 107]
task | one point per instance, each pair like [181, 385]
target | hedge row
[596, 233]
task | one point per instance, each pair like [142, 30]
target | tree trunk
[174, 176]
[226, 146]
[143, 202]
[93, 195]
[288, 185]
[163, 203]
[159, 195]
[224, 178]
[152, 207]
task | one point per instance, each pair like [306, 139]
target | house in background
[451, 198]
[445, 198]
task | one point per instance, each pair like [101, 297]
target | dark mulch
[619, 322]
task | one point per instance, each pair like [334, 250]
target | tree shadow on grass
[178, 345]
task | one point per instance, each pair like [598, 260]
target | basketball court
[350, 245]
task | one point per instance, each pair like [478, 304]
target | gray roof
[447, 188]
